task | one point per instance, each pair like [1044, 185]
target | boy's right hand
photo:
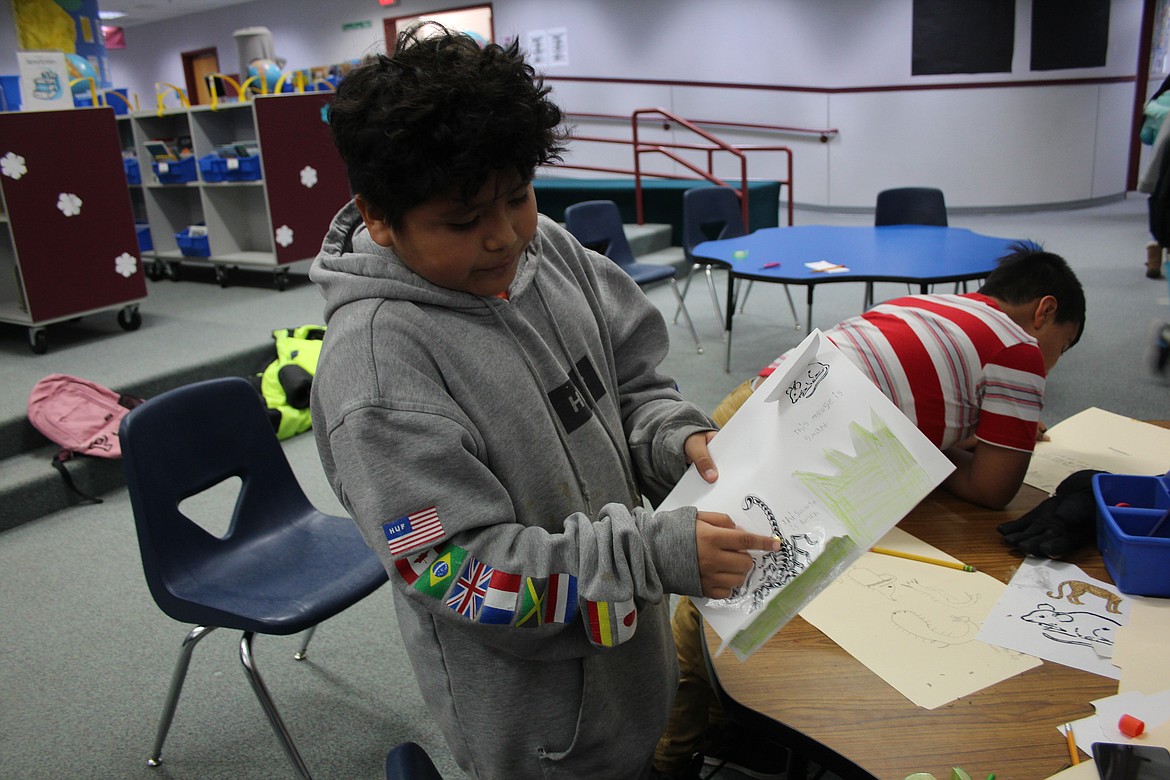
[723, 558]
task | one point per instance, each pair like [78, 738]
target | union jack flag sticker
[467, 595]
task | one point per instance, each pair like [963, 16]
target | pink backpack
[80, 416]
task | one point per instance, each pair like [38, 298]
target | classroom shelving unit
[266, 223]
[68, 246]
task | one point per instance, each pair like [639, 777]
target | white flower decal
[69, 204]
[284, 235]
[308, 176]
[12, 165]
[126, 264]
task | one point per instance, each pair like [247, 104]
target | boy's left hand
[695, 448]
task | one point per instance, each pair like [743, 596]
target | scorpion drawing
[773, 570]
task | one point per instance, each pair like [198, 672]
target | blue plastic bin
[192, 246]
[175, 171]
[10, 93]
[212, 168]
[1129, 508]
[145, 244]
[242, 168]
[133, 171]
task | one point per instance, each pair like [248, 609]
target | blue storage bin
[192, 246]
[212, 167]
[1133, 531]
[145, 244]
[133, 171]
[175, 171]
[242, 168]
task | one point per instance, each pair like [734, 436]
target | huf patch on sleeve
[415, 530]
[611, 623]
[570, 401]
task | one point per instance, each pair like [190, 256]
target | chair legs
[270, 707]
[177, 678]
[686, 315]
[258, 687]
[303, 653]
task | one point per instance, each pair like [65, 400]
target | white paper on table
[1096, 439]
[1140, 650]
[914, 624]
[818, 456]
[825, 267]
[1055, 611]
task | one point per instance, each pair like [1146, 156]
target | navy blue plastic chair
[281, 567]
[909, 206]
[409, 761]
[597, 224]
[710, 214]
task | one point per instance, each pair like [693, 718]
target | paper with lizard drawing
[819, 457]
[915, 624]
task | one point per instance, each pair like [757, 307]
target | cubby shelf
[270, 222]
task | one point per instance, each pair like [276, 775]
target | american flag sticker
[499, 605]
[414, 530]
[560, 601]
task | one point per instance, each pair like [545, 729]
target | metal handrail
[715, 144]
[824, 134]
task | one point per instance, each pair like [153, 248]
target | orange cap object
[1130, 726]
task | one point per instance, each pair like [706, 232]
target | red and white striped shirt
[954, 364]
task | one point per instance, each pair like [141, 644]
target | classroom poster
[44, 81]
[819, 457]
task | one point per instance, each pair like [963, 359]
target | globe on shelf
[266, 72]
[80, 68]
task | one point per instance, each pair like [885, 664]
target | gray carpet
[87, 655]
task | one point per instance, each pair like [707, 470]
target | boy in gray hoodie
[487, 406]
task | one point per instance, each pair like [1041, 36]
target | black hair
[1027, 273]
[439, 114]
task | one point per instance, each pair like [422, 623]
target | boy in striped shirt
[969, 370]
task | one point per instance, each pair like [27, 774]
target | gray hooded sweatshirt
[495, 453]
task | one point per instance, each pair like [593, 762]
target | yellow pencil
[1073, 755]
[923, 559]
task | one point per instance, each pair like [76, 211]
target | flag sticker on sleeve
[530, 602]
[470, 589]
[414, 530]
[611, 623]
[560, 601]
[499, 605]
[432, 571]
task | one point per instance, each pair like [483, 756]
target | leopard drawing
[1077, 588]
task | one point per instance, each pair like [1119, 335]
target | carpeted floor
[87, 655]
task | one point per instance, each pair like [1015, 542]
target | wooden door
[196, 66]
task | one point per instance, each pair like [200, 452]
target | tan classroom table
[832, 710]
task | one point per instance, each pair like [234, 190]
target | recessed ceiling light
[108, 15]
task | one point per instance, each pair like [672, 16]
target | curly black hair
[1027, 272]
[442, 112]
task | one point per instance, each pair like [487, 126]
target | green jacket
[286, 381]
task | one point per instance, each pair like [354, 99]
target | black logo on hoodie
[571, 401]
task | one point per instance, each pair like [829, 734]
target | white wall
[987, 147]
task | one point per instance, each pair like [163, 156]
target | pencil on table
[923, 559]
[1073, 755]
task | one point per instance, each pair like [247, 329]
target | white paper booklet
[818, 456]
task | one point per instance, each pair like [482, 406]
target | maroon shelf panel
[294, 136]
[69, 263]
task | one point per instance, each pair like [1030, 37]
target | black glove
[1060, 523]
